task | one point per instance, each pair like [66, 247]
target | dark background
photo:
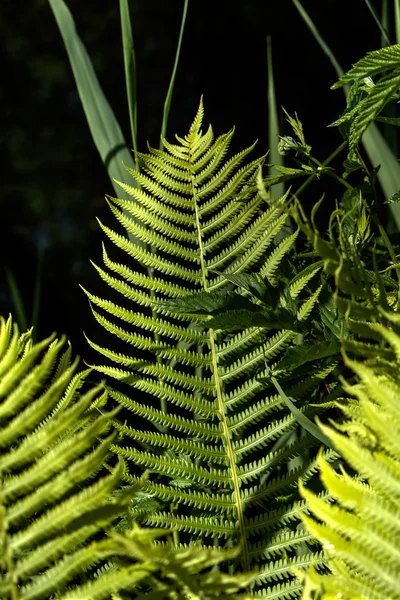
[53, 181]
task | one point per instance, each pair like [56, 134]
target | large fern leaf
[218, 442]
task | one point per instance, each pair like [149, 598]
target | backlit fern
[54, 506]
[360, 532]
[219, 443]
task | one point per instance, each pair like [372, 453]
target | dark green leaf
[393, 198]
[370, 108]
[389, 120]
[250, 282]
[242, 319]
[309, 352]
[208, 303]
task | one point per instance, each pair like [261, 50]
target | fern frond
[360, 532]
[53, 443]
[210, 447]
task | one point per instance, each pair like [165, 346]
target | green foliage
[104, 127]
[381, 149]
[234, 347]
[53, 443]
[55, 505]
[221, 447]
[367, 98]
[360, 531]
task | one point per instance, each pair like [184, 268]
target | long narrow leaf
[130, 68]
[384, 34]
[304, 421]
[385, 22]
[104, 127]
[324, 46]
[167, 103]
[397, 20]
[274, 157]
[38, 289]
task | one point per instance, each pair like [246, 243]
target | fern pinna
[219, 448]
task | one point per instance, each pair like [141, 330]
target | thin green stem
[377, 21]
[326, 162]
[306, 18]
[331, 173]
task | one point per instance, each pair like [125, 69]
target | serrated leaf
[286, 174]
[309, 352]
[252, 283]
[393, 198]
[243, 319]
[208, 303]
[372, 105]
[389, 120]
[377, 61]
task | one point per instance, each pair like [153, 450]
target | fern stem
[230, 453]
[219, 392]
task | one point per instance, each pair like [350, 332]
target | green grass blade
[130, 68]
[304, 421]
[274, 157]
[384, 34]
[384, 21]
[104, 127]
[16, 297]
[374, 143]
[306, 18]
[168, 99]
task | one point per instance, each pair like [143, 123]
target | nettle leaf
[351, 164]
[231, 320]
[375, 62]
[331, 319]
[297, 126]
[255, 285]
[207, 303]
[369, 109]
[284, 174]
[309, 352]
